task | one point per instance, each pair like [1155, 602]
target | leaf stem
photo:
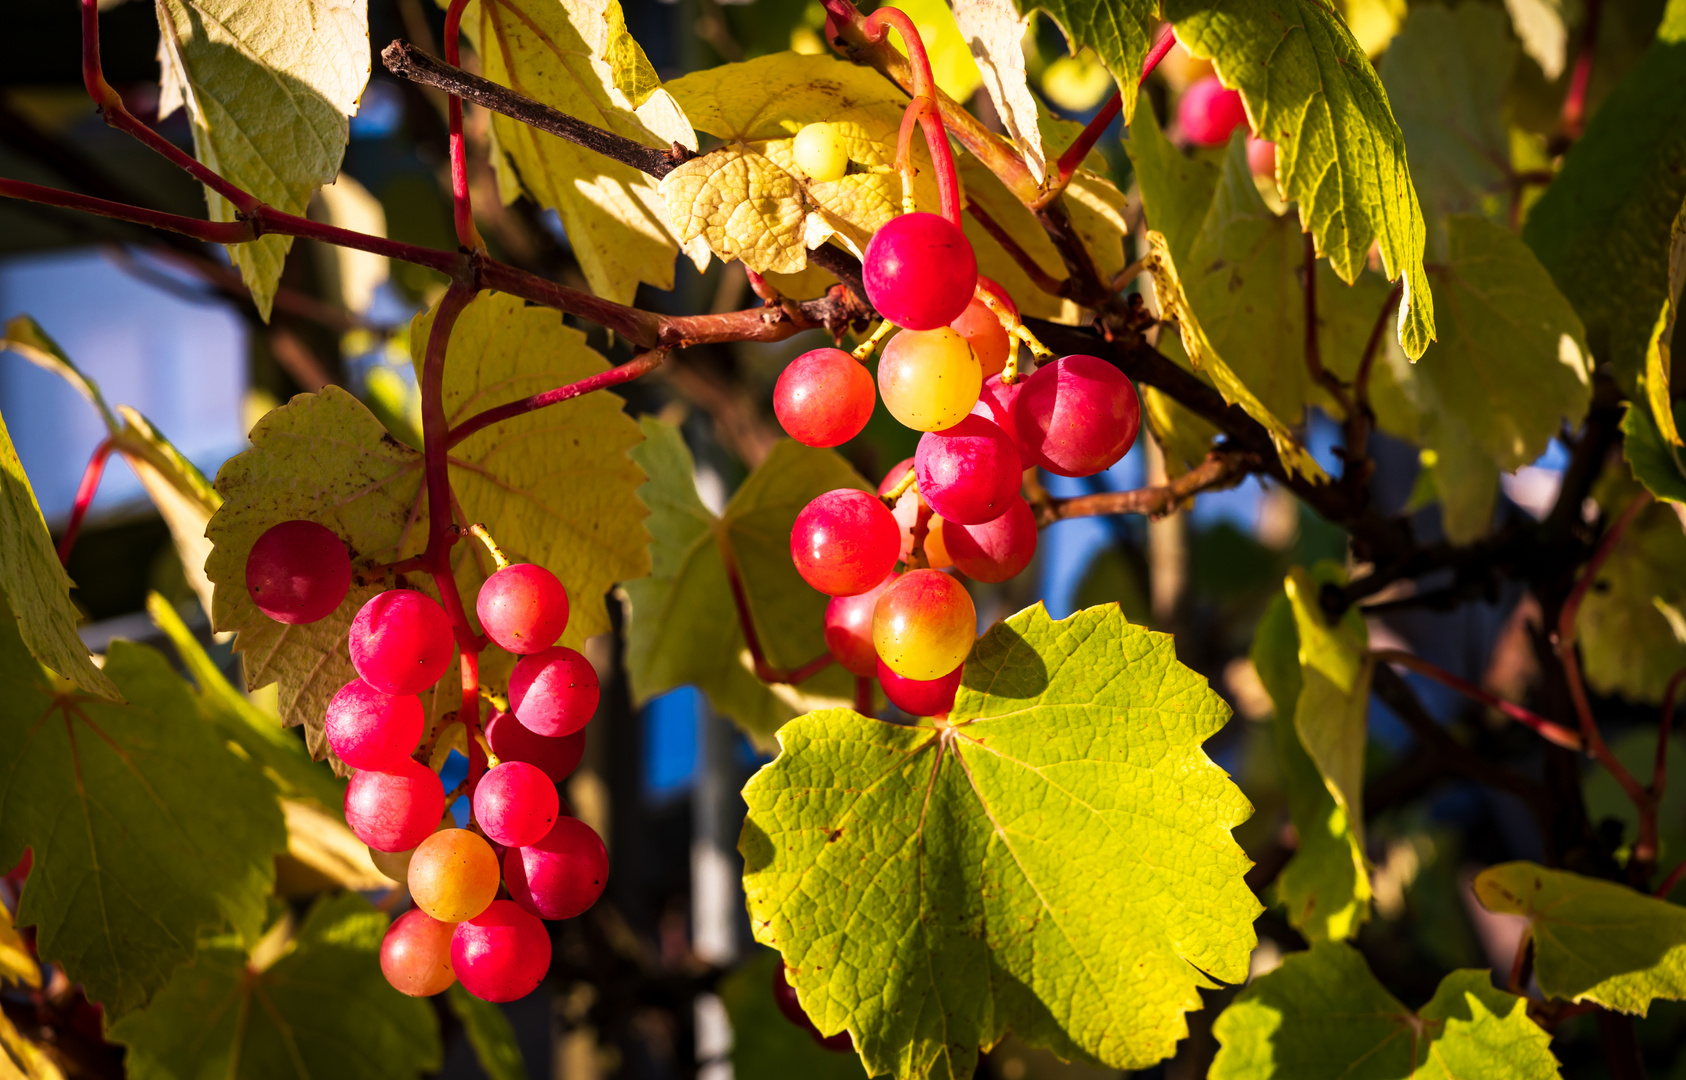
[1573, 117]
[1670, 882]
[764, 671]
[924, 104]
[84, 498]
[1313, 348]
[462, 205]
[1086, 139]
[639, 365]
[1546, 729]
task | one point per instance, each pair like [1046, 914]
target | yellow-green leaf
[25, 337]
[1120, 32]
[16, 963]
[743, 205]
[1657, 461]
[1627, 644]
[29, 1060]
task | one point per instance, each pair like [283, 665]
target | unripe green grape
[924, 625]
[821, 153]
[454, 875]
[929, 379]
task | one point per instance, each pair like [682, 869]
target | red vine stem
[876, 26]
[1659, 767]
[1555, 733]
[632, 369]
[1671, 881]
[764, 671]
[1574, 102]
[84, 498]
[863, 694]
[462, 206]
[1091, 133]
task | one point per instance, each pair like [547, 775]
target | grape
[924, 625]
[919, 271]
[784, 995]
[848, 629]
[996, 550]
[1208, 113]
[906, 513]
[821, 153]
[401, 642]
[514, 741]
[453, 875]
[554, 692]
[372, 730]
[396, 864]
[1077, 416]
[562, 874]
[396, 809]
[523, 608]
[844, 542]
[1261, 157]
[515, 803]
[997, 403]
[501, 954]
[920, 697]
[970, 472]
[416, 954]
[983, 331]
[297, 572]
[824, 398]
[929, 379]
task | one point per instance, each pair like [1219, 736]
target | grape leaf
[1120, 34]
[1334, 694]
[25, 337]
[1322, 1015]
[952, 63]
[765, 1045]
[17, 965]
[1054, 860]
[1652, 443]
[268, 102]
[489, 1033]
[743, 205]
[995, 32]
[682, 625]
[146, 831]
[1593, 940]
[1310, 89]
[1627, 645]
[1654, 462]
[322, 1008]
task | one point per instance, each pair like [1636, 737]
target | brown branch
[1221, 468]
[1321, 375]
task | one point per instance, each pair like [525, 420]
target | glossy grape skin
[394, 810]
[514, 741]
[824, 397]
[983, 331]
[501, 954]
[298, 572]
[821, 153]
[1208, 113]
[906, 512]
[998, 402]
[555, 692]
[970, 472]
[416, 954]
[523, 608]
[372, 730]
[1077, 416]
[919, 271]
[844, 542]
[848, 629]
[515, 803]
[924, 625]
[784, 995]
[928, 380]
[996, 550]
[1261, 157]
[560, 876]
[400, 642]
[453, 875]
[920, 697]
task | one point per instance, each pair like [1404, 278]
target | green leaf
[742, 205]
[1310, 89]
[25, 337]
[1054, 860]
[1627, 644]
[1322, 1015]
[1663, 472]
[765, 1045]
[268, 102]
[683, 626]
[1655, 463]
[184, 498]
[147, 832]
[322, 1009]
[489, 1033]
[1120, 34]
[1593, 940]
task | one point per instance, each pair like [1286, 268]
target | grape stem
[1017, 332]
[84, 498]
[462, 205]
[764, 670]
[1086, 139]
[479, 532]
[922, 108]
[1551, 732]
[863, 352]
[891, 497]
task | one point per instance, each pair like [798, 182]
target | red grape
[372, 730]
[997, 402]
[501, 954]
[848, 629]
[844, 542]
[996, 550]
[924, 625]
[298, 572]
[921, 697]
[523, 608]
[400, 642]
[416, 954]
[824, 398]
[1261, 157]
[453, 875]
[919, 271]
[906, 513]
[1208, 113]
[515, 803]
[514, 741]
[784, 995]
[394, 810]
[1077, 416]
[554, 692]
[970, 472]
[983, 331]
[561, 875]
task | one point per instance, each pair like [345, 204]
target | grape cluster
[522, 841]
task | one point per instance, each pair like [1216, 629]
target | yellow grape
[929, 379]
[454, 875]
[821, 153]
[924, 625]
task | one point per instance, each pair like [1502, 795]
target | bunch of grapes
[482, 892]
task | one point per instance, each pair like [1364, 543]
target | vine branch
[1221, 468]
[1546, 729]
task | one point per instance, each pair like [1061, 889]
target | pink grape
[1077, 416]
[416, 954]
[514, 741]
[848, 629]
[554, 693]
[372, 730]
[523, 608]
[1208, 113]
[906, 513]
[515, 803]
[784, 995]
[298, 572]
[919, 271]
[824, 397]
[1261, 157]
[982, 328]
[996, 550]
[997, 403]
[920, 697]
[401, 642]
[970, 472]
[924, 625]
[561, 875]
[844, 542]
[501, 954]
[397, 809]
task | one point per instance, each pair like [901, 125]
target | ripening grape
[416, 954]
[1261, 157]
[1208, 113]
[523, 608]
[515, 803]
[561, 875]
[372, 730]
[983, 331]
[453, 875]
[848, 629]
[821, 153]
[824, 397]
[514, 741]
[924, 625]
[501, 954]
[920, 697]
[400, 642]
[929, 379]
[970, 472]
[297, 572]
[844, 542]
[906, 511]
[1077, 416]
[784, 995]
[996, 550]
[919, 271]
[554, 693]
[396, 809]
